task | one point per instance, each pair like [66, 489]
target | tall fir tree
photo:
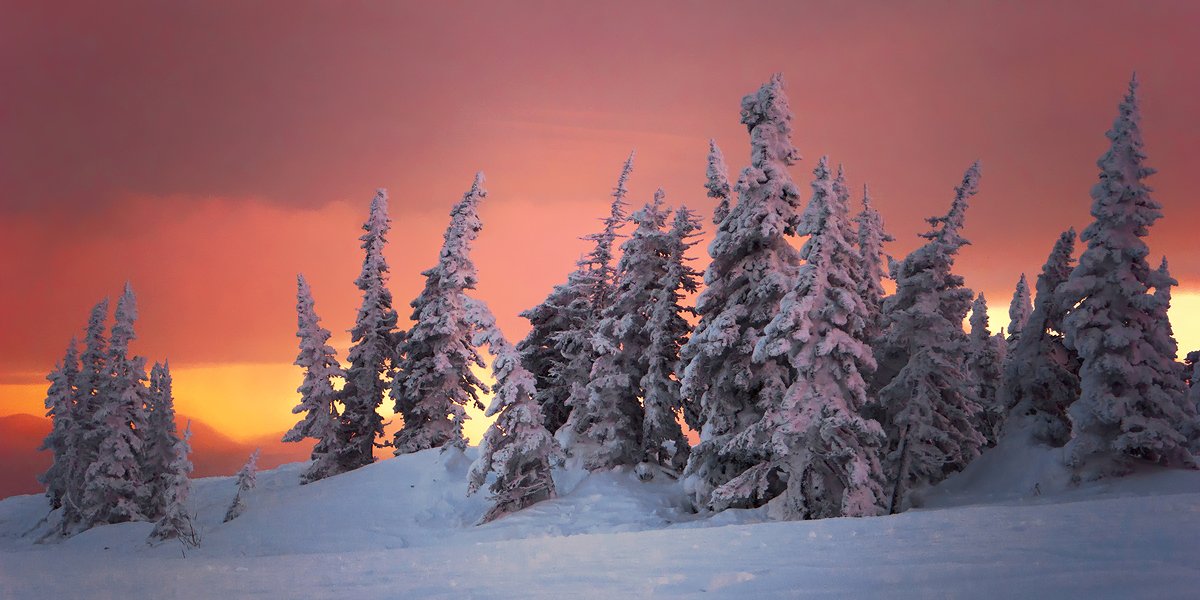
[372, 352]
[176, 522]
[1125, 411]
[663, 440]
[927, 394]
[434, 382]
[246, 479]
[871, 238]
[753, 266]
[1019, 310]
[85, 436]
[819, 454]
[114, 489]
[717, 182]
[517, 447]
[61, 400]
[317, 396]
[159, 440]
[1041, 375]
[985, 361]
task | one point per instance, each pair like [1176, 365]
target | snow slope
[403, 528]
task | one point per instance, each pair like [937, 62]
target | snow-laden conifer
[718, 182]
[927, 394]
[1041, 375]
[85, 436]
[372, 351]
[176, 522]
[1019, 309]
[517, 447]
[159, 440]
[753, 266]
[434, 382]
[1125, 411]
[663, 441]
[564, 310]
[317, 396]
[245, 481]
[871, 238]
[819, 455]
[114, 489]
[61, 398]
[985, 361]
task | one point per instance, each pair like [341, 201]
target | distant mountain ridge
[213, 453]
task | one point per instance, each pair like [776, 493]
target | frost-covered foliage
[159, 440]
[871, 238]
[247, 478]
[1019, 310]
[718, 182]
[663, 442]
[1127, 408]
[372, 351]
[114, 490]
[563, 311]
[927, 395]
[517, 447]
[985, 358]
[434, 382]
[176, 522]
[85, 437]
[753, 266]
[317, 396]
[1041, 375]
[818, 456]
[61, 398]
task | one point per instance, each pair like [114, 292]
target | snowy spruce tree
[871, 238]
[176, 522]
[663, 441]
[985, 361]
[1041, 375]
[317, 396]
[517, 448]
[159, 441]
[753, 266]
[1127, 410]
[1019, 310]
[372, 351]
[927, 395]
[245, 481]
[590, 288]
[718, 182]
[61, 399]
[434, 381]
[818, 455]
[114, 489]
[84, 437]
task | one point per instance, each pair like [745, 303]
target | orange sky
[210, 151]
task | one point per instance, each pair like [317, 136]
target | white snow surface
[404, 528]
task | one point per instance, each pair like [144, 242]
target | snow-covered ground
[403, 528]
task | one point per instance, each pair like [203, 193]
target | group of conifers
[813, 391]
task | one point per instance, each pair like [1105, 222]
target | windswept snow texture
[404, 528]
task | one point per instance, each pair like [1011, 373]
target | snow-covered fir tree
[871, 238]
[434, 382]
[819, 456]
[176, 522]
[563, 311]
[1019, 310]
[985, 360]
[372, 351]
[718, 182]
[247, 478]
[927, 394]
[663, 441]
[1041, 375]
[1126, 411]
[114, 489]
[753, 266]
[61, 398]
[517, 447]
[159, 440]
[317, 396]
[85, 437]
